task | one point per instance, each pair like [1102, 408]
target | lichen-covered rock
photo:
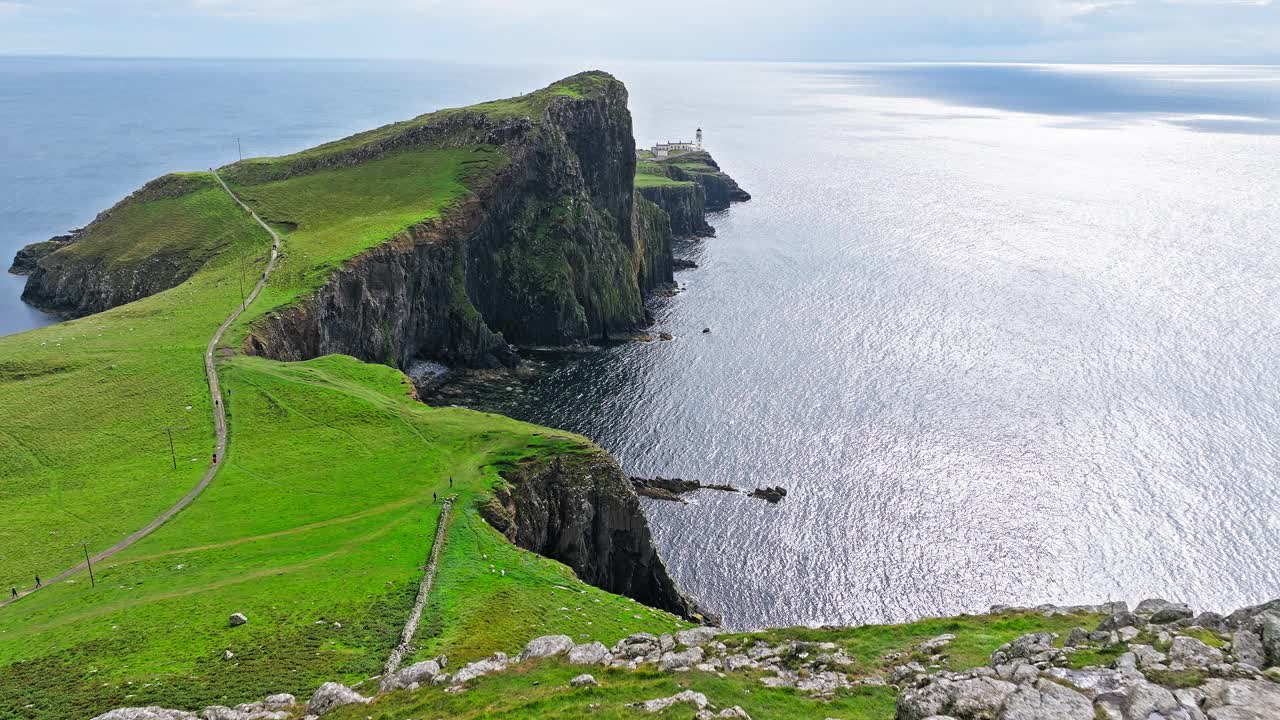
[237, 619]
[1246, 646]
[417, 674]
[971, 698]
[594, 653]
[1241, 700]
[331, 696]
[583, 680]
[1046, 701]
[546, 646]
[1190, 652]
[680, 660]
[1145, 699]
[696, 699]
[696, 637]
[496, 662]
[146, 713]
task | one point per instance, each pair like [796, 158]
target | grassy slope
[322, 511]
[84, 404]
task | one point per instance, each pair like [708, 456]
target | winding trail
[219, 413]
[424, 589]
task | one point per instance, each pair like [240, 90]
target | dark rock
[27, 258]
[685, 205]
[682, 264]
[772, 494]
[581, 510]
[706, 331]
[1121, 620]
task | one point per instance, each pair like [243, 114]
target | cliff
[542, 253]
[127, 253]
[580, 509]
[687, 186]
[685, 205]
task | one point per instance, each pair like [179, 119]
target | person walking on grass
[14, 592]
[450, 481]
[37, 581]
[433, 497]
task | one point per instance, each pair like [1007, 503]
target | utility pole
[172, 454]
[238, 151]
[93, 582]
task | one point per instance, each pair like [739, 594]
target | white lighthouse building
[667, 149]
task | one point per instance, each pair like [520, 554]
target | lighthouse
[698, 138]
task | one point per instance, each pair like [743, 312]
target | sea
[1007, 334]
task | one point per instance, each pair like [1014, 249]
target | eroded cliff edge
[580, 509]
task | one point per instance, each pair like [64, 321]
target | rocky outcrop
[94, 269]
[580, 509]
[685, 204]
[719, 190]
[651, 227]
[544, 253]
[28, 258]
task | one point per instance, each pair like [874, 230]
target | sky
[1165, 31]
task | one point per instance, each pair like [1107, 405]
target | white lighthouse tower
[698, 138]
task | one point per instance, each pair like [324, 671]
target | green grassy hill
[318, 523]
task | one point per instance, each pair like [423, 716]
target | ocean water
[1007, 334]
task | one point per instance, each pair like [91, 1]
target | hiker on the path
[450, 481]
[14, 591]
[433, 497]
[37, 581]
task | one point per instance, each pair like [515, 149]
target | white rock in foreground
[333, 695]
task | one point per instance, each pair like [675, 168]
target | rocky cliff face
[652, 229]
[685, 205]
[582, 511]
[547, 253]
[67, 281]
[27, 259]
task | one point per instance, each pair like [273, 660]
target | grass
[85, 404]
[490, 596]
[322, 510]
[323, 513]
[331, 215]
[647, 180]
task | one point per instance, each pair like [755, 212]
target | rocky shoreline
[1166, 663]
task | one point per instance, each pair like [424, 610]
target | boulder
[583, 680]
[1246, 646]
[546, 646]
[415, 675]
[1151, 606]
[279, 701]
[697, 636]
[1241, 700]
[1148, 657]
[1077, 637]
[237, 619]
[733, 712]
[1269, 626]
[933, 646]
[594, 653]
[1170, 613]
[496, 662]
[1120, 620]
[332, 695]
[252, 711]
[1191, 652]
[680, 660]
[1145, 699]
[1046, 700]
[963, 698]
[146, 713]
[696, 699]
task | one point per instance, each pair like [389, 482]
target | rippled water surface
[1009, 334]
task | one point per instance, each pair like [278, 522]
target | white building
[666, 149]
